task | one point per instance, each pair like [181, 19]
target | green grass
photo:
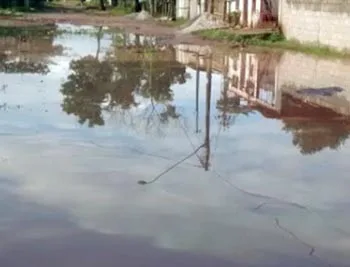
[33, 30]
[13, 12]
[271, 40]
[121, 11]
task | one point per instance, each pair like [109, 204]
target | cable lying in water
[139, 151]
[281, 201]
[142, 182]
[293, 204]
[311, 247]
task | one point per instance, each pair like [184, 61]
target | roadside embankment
[270, 39]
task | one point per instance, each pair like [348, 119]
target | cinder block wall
[325, 22]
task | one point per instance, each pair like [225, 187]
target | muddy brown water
[116, 151]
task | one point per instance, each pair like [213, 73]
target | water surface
[86, 116]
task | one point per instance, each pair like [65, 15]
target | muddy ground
[78, 17]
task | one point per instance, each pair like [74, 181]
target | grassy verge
[271, 40]
[121, 11]
[14, 12]
[29, 30]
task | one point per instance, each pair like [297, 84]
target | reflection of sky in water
[55, 171]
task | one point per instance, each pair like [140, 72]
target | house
[248, 12]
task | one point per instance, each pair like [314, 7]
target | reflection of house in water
[308, 113]
[253, 78]
[316, 117]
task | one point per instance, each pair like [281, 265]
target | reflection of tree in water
[230, 108]
[86, 89]
[313, 136]
[169, 112]
[314, 126]
[27, 49]
[23, 66]
[114, 83]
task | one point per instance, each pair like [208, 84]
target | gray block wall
[325, 22]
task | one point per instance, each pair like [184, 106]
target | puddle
[120, 149]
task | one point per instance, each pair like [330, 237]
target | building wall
[318, 21]
[189, 9]
[182, 8]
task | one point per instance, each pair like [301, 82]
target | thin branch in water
[142, 182]
[139, 151]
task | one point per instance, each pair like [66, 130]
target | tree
[137, 6]
[173, 10]
[20, 3]
[114, 3]
[102, 5]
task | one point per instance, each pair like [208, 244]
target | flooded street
[120, 150]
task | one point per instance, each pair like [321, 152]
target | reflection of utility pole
[225, 117]
[98, 42]
[197, 94]
[207, 113]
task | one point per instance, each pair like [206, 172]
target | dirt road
[148, 27]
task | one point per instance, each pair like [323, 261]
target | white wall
[182, 8]
[189, 9]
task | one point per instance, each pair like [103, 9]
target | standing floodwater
[91, 118]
